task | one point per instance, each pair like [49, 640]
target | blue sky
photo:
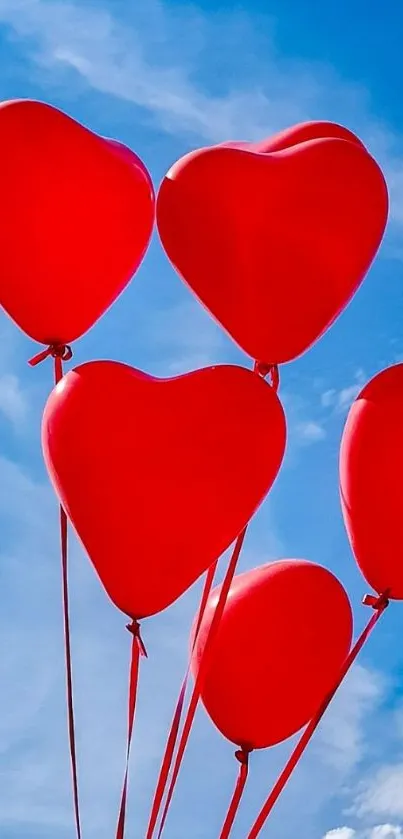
[164, 78]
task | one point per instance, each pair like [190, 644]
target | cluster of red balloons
[160, 476]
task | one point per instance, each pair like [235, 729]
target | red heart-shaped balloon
[76, 217]
[371, 486]
[275, 237]
[159, 476]
[278, 650]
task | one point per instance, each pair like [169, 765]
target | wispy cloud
[186, 338]
[382, 795]
[13, 401]
[124, 60]
[310, 431]
[305, 425]
[15, 397]
[335, 757]
[341, 400]
[34, 763]
[342, 735]
[382, 831]
[33, 755]
[378, 796]
[157, 60]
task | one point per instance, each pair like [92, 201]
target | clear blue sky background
[164, 78]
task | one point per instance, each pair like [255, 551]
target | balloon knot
[377, 602]
[62, 351]
[134, 629]
[262, 369]
[242, 755]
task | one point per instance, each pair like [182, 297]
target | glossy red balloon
[76, 217]
[275, 237]
[159, 476]
[125, 153]
[278, 650]
[371, 481]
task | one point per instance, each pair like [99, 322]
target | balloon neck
[263, 369]
[60, 351]
[242, 755]
[134, 629]
[377, 602]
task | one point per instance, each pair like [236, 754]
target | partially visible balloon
[76, 219]
[159, 476]
[371, 481]
[277, 652]
[275, 237]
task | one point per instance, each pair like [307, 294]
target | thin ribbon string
[177, 716]
[138, 649]
[194, 699]
[379, 604]
[69, 675]
[60, 353]
[243, 756]
[262, 370]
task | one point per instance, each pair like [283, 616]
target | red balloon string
[194, 699]
[138, 649]
[65, 353]
[379, 604]
[243, 756]
[176, 719]
[60, 353]
[69, 676]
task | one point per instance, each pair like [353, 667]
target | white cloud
[124, 60]
[310, 431]
[334, 757]
[185, 338]
[153, 59]
[14, 396]
[303, 429]
[13, 402]
[154, 62]
[156, 59]
[342, 735]
[383, 831]
[382, 794]
[347, 395]
[398, 727]
[340, 400]
[328, 398]
[33, 746]
[34, 762]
